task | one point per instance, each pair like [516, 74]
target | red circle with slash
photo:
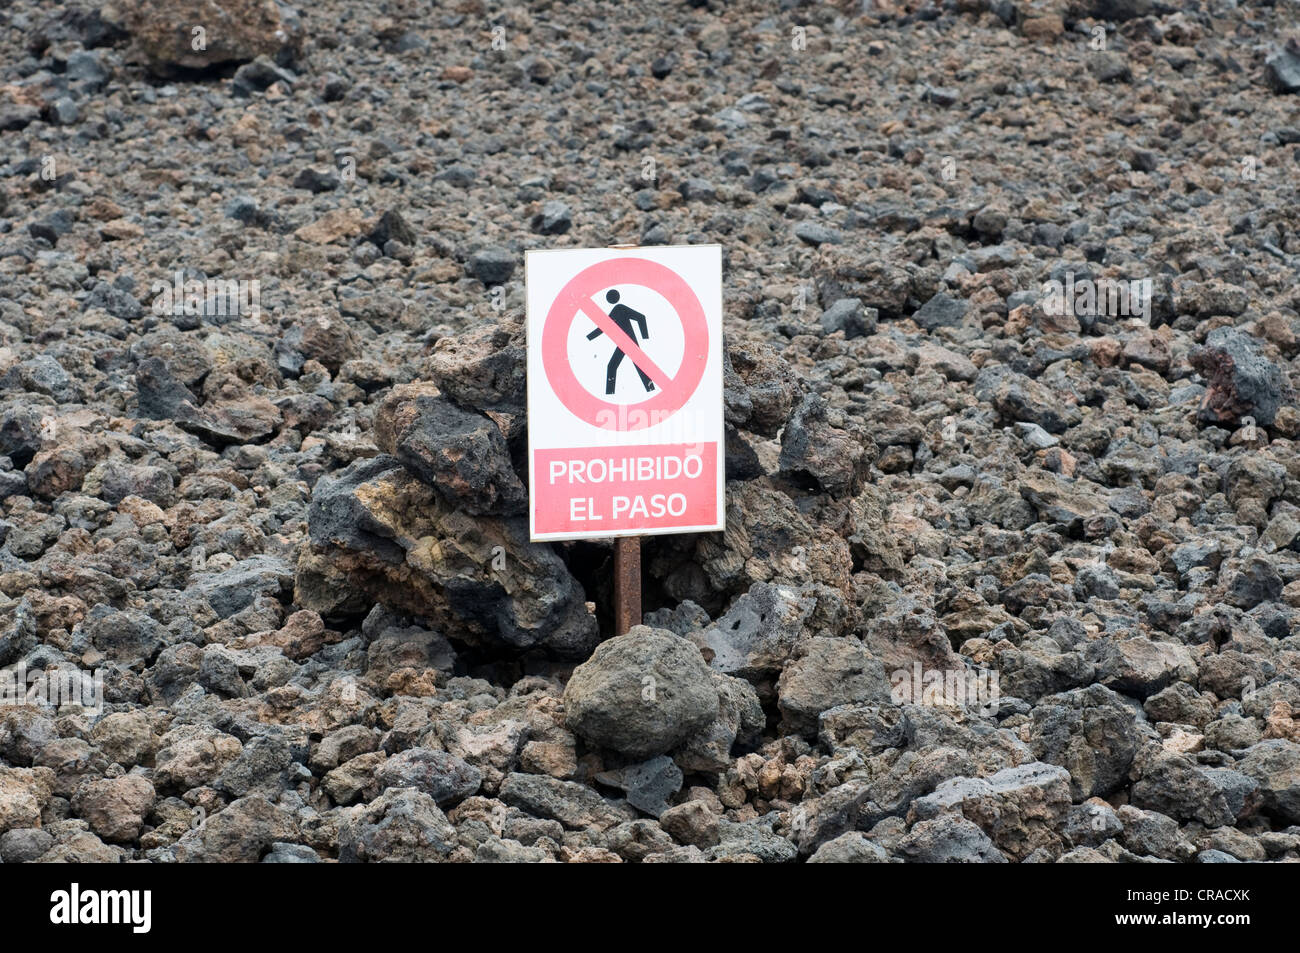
[576, 298]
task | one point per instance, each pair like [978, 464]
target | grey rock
[698, 190]
[444, 777]
[641, 694]
[1020, 808]
[497, 850]
[1096, 581]
[18, 632]
[829, 673]
[1174, 785]
[815, 233]
[830, 816]
[739, 721]
[125, 636]
[1241, 381]
[463, 455]
[1018, 398]
[574, 805]
[851, 848]
[22, 845]
[88, 69]
[555, 218]
[1091, 824]
[368, 525]
[1149, 834]
[402, 825]
[16, 117]
[1255, 582]
[259, 75]
[1091, 732]
[260, 767]
[754, 638]
[850, 316]
[392, 227]
[1282, 69]
[492, 266]
[814, 448]
[949, 839]
[291, 854]
[1139, 666]
[1215, 857]
[235, 588]
[1275, 766]
[1110, 67]
[649, 784]
[751, 840]
[941, 311]
[1035, 436]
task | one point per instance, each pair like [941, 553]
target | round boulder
[641, 694]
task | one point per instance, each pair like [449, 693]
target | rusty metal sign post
[625, 423]
[627, 583]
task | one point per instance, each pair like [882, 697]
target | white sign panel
[625, 429]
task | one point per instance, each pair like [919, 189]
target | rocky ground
[292, 538]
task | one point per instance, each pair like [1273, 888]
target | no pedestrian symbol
[625, 391]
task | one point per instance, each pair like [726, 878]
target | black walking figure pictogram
[624, 317]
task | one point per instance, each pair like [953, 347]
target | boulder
[641, 694]
[233, 31]
[461, 454]
[828, 673]
[380, 534]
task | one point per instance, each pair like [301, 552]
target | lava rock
[828, 673]
[444, 777]
[555, 218]
[1241, 381]
[849, 315]
[232, 31]
[492, 266]
[641, 694]
[463, 455]
[1282, 69]
[819, 447]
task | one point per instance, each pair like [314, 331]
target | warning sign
[625, 391]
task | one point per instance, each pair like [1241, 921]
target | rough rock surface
[640, 694]
[232, 30]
